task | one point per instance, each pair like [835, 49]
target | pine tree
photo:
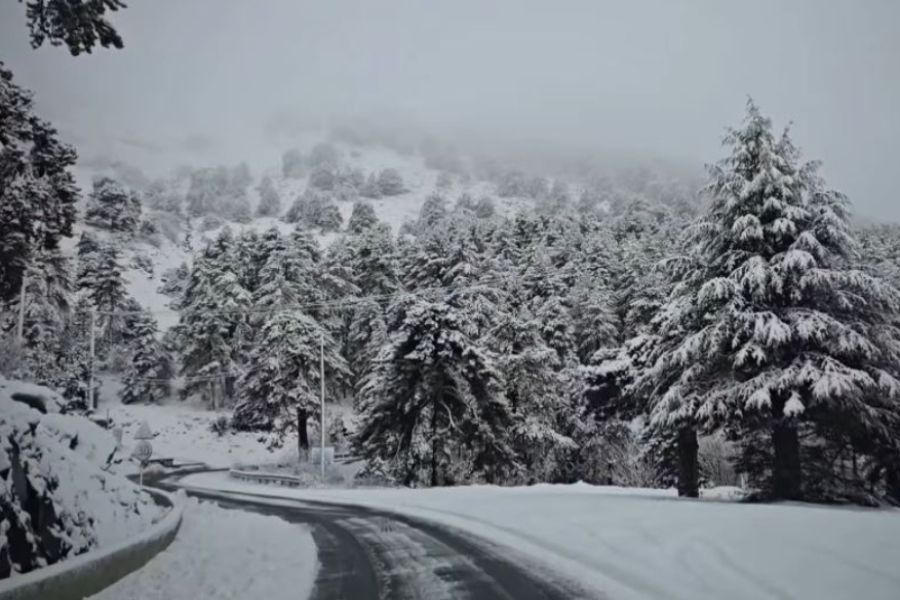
[367, 333]
[362, 218]
[777, 333]
[280, 389]
[102, 278]
[370, 189]
[47, 293]
[390, 183]
[149, 372]
[162, 195]
[534, 385]
[212, 329]
[110, 206]
[88, 249]
[484, 208]
[435, 394]
[433, 211]
[269, 201]
[37, 189]
[371, 258]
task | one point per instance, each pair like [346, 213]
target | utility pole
[20, 330]
[92, 399]
[322, 410]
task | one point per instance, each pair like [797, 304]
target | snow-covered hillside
[169, 249]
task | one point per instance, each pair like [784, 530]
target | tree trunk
[786, 474]
[688, 462]
[302, 434]
[892, 482]
[434, 448]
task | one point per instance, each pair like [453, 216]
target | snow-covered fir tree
[212, 324]
[280, 389]
[47, 295]
[772, 333]
[370, 188]
[110, 206]
[101, 277]
[269, 200]
[433, 408]
[149, 371]
[37, 189]
[390, 182]
[534, 385]
[362, 218]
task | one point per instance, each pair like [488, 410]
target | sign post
[143, 450]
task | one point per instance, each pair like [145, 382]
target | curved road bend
[371, 554]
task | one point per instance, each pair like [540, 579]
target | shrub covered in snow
[56, 498]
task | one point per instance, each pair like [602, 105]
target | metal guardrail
[91, 572]
[263, 477]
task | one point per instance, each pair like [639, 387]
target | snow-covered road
[367, 553]
[225, 554]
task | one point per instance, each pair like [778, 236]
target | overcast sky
[655, 76]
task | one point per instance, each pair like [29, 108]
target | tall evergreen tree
[212, 326]
[779, 335]
[37, 189]
[280, 388]
[111, 206]
[149, 372]
[435, 394]
[269, 200]
[362, 218]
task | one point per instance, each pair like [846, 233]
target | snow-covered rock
[56, 498]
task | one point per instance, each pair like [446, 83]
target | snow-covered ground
[637, 544]
[183, 431]
[226, 554]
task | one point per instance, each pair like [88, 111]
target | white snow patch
[646, 544]
[224, 554]
[182, 431]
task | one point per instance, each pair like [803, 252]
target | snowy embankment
[182, 431]
[58, 498]
[226, 554]
[646, 544]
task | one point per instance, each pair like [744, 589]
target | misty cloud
[654, 77]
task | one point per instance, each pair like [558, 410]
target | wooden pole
[92, 399]
[322, 410]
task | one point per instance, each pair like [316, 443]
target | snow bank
[87, 573]
[224, 554]
[49, 400]
[641, 544]
[56, 499]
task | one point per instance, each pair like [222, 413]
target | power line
[329, 304]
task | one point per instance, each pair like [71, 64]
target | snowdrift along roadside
[635, 544]
[225, 554]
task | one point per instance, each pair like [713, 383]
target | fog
[229, 80]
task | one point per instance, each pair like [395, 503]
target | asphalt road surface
[371, 554]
